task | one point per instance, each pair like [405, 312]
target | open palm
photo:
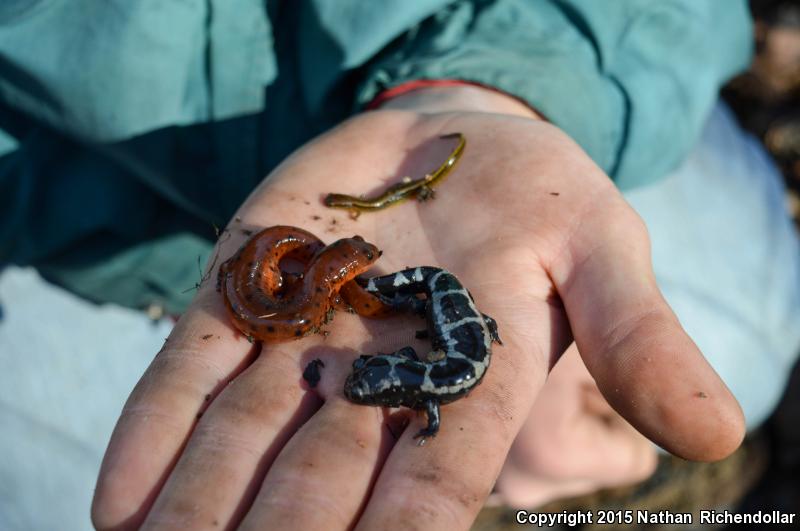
[219, 432]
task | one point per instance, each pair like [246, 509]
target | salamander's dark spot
[375, 361]
[298, 333]
[366, 305]
[454, 307]
[205, 337]
[410, 373]
[270, 329]
[319, 289]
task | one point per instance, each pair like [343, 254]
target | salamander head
[369, 252]
[377, 381]
[358, 390]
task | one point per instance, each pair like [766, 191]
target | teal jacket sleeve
[128, 130]
[631, 81]
[87, 224]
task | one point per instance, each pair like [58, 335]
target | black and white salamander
[460, 335]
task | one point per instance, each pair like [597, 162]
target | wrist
[466, 97]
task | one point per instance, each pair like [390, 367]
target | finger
[644, 363]
[341, 440]
[322, 477]
[443, 484]
[245, 428]
[234, 443]
[200, 356]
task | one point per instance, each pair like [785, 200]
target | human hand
[572, 443]
[546, 245]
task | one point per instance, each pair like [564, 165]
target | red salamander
[267, 305]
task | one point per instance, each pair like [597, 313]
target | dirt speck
[428, 476]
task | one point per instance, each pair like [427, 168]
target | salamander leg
[424, 193]
[491, 324]
[432, 409]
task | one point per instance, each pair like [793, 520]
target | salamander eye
[370, 254]
[358, 238]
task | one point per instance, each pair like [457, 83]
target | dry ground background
[764, 474]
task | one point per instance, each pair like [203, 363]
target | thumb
[644, 363]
